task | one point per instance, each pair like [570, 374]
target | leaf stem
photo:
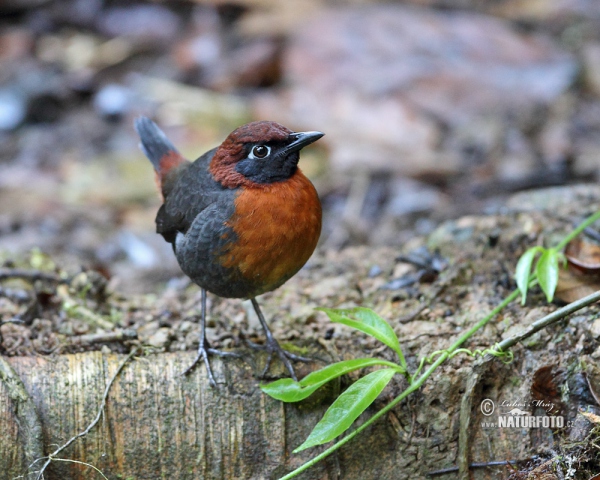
[577, 230]
[416, 384]
[413, 387]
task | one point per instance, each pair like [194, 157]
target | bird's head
[259, 153]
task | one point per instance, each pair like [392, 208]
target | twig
[30, 426]
[15, 295]
[590, 232]
[115, 336]
[414, 386]
[93, 423]
[414, 314]
[89, 465]
[444, 471]
[73, 307]
[576, 231]
[549, 320]
[417, 383]
[31, 275]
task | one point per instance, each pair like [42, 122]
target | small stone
[147, 330]
[161, 338]
[186, 326]
[329, 287]
[139, 252]
[375, 271]
[595, 328]
[418, 327]
[112, 100]
[13, 109]
[402, 269]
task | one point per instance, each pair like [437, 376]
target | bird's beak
[301, 140]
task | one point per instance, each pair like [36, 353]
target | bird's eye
[260, 151]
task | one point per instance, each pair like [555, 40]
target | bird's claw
[203, 351]
[272, 347]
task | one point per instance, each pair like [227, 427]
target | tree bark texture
[158, 424]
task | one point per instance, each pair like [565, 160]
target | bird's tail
[157, 147]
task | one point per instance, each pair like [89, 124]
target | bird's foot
[204, 349]
[271, 347]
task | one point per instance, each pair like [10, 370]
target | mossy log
[157, 424]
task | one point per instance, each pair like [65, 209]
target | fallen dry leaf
[582, 277]
[583, 255]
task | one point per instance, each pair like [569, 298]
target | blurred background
[431, 109]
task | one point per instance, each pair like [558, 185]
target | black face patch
[274, 161]
[277, 166]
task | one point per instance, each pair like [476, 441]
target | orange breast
[277, 228]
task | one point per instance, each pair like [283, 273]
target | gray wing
[194, 220]
[192, 192]
[199, 251]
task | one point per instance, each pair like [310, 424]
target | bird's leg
[272, 346]
[204, 347]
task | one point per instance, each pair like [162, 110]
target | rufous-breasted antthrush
[242, 218]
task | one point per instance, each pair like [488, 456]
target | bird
[242, 219]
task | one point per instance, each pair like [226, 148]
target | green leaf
[547, 272]
[523, 272]
[288, 390]
[348, 406]
[367, 321]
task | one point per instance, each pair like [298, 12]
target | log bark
[158, 424]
